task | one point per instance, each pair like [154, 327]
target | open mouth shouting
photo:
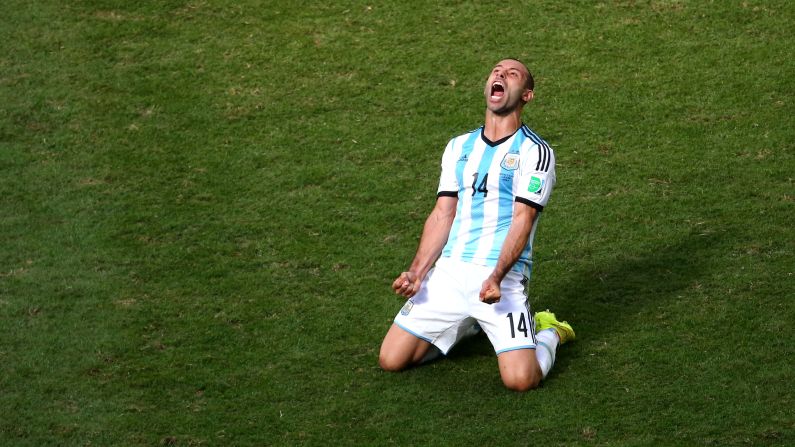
[497, 90]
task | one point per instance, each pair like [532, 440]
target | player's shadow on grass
[598, 301]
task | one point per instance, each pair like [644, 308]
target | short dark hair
[531, 83]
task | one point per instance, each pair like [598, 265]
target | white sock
[546, 347]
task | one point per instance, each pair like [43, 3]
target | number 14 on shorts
[519, 323]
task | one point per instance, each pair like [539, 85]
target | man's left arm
[524, 217]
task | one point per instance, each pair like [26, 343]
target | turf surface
[204, 204]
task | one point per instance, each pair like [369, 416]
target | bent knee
[391, 363]
[522, 382]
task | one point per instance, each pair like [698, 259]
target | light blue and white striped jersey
[488, 178]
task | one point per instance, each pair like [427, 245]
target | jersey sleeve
[448, 183]
[536, 176]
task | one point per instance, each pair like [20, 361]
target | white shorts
[448, 305]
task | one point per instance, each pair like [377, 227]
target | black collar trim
[498, 142]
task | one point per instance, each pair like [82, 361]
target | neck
[497, 126]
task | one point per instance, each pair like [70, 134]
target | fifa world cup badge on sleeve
[536, 185]
[407, 307]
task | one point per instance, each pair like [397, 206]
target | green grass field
[204, 204]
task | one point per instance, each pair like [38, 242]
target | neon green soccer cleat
[546, 320]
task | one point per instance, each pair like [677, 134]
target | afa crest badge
[510, 162]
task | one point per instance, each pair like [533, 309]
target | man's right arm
[434, 236]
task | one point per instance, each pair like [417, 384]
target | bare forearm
[515, 242]
[434, 236]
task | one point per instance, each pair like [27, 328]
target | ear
[527, 96]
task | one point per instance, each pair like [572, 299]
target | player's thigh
[519, 369]
[508, 323]
[401, 349]
[439, 312]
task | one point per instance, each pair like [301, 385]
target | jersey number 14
[482, 186]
